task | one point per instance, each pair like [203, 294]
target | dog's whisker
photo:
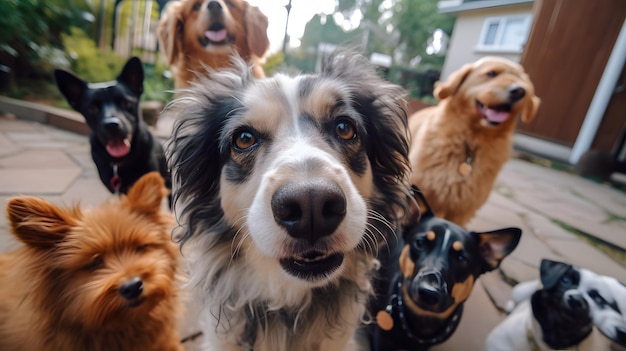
[380, 218]
[235, 251]
[233, 247]
[369, 239]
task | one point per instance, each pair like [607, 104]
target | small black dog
[121, 144]
[427, 275]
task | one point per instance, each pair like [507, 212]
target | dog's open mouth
[118, 147]
[494, 114]
[216, 35]
[312, 265]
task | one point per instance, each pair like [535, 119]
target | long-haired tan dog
[459, 146]
[197, 33]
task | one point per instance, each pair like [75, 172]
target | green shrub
[88, 61]
[95, 65]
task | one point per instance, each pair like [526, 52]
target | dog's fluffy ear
[171, 30]
[38, 223]
[70, 86]
[256, 31]
[551, 271]
[497, 244]
[132, 75]
[530, 109]
[146, 195]
[451, 85]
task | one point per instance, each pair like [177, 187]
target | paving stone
[18, 125]
[190, 325]
[42, 181]
[88, 192]
[493, 216]
[479, 317]
[584, 255]
[7, 148]
[612, 231]
[546, 228]
[518, 270]
[498, 290]
[36, 159]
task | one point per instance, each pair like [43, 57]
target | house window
[505, 33]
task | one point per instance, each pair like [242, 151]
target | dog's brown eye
[196, 6]
[96, 262]
[345, 130]
[141, 248]
[492, 74]
[244, 140]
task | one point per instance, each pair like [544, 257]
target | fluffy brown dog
[459, 146]
[193, 33]
[98, 279]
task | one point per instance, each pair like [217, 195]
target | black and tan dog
[427, 275]
[122, 147]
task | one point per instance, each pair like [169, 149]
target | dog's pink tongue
[216, 36]
[496, 116]
[118, 148]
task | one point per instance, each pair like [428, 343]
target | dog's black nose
[577, 302]
[428, 289]
[516, 92]
[112, 125]
[309, 210]
[214, 6]
[132, 289]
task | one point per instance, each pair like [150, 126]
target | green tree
[416, 21]
[399, 27]
[31, 32]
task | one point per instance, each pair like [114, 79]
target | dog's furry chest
[239, 318]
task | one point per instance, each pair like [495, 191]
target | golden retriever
[459, 146]
[195, 33]
[283, 197]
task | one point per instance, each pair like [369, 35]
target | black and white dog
[427, 275]
[122, 147]
[283, 188]
[560, 310]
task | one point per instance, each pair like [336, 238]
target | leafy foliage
[32, 30]
[416, 20]
[88, 61]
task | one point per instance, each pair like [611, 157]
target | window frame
[501, 21]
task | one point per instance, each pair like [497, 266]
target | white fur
[510, 334]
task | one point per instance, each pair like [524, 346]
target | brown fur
[60, 290]
[185, 21]
[440, 134]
